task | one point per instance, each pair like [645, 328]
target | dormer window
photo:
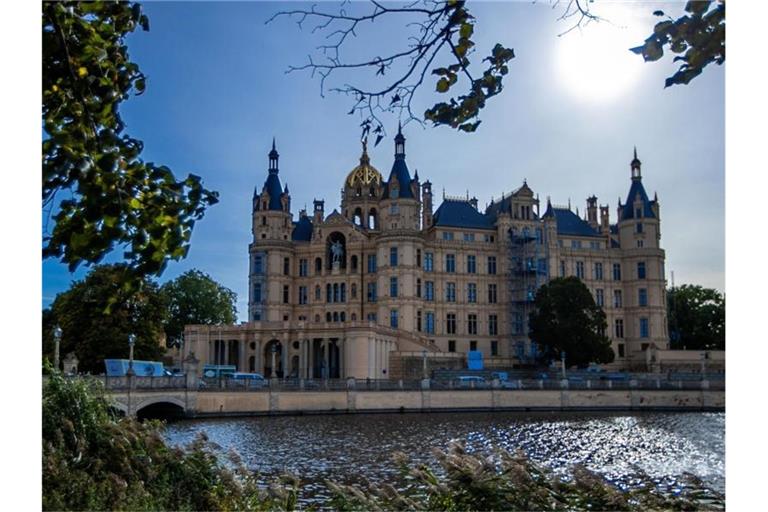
[638, 213]
[394, 192]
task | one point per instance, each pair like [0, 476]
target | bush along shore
[94, 460]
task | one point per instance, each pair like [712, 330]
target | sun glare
[594, 64]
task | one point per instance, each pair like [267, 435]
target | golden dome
[364, 174]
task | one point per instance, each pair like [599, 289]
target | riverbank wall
[226, 403]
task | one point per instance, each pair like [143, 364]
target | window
[285, 294]
[372, 292]
[371, 317]
[353, 262]
[430, 322]
[471, 292]
[447, 235]
[644, 328]
[562, 268]
[394, 209]
[418, 257]
[617, 298]
[258, 264]
[594, 245]
[471, 265]
[418, 288]
[257, 292]
[517, 323]
[286, 266]
[302, 294]
[599, 297]
[450, 292]
[317, 293]
[450, 263]
[619, 323]
[371, 263]
[451, 345]
[418, 321]
[617, 271]
[638, 213]
[493, 325]
[393, 318]
[640, 244]
[472, 345]
[491, 264]
[336, 292]
[494, 348]
[492, 294]
[639, 227]
[393, 256]
[393, 287]
[318, 266]
[450, 323]
[428, 262]
[642, 297]
[303, 268]
[469, 237]
[354, 291]
[580, 269]
[641, 270]
[472, 323]
[343, 292]
[328, 293]
[429, 290]
[621, 349]
[575, 244]
[599, 271]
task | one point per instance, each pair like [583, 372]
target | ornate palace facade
[344, 294]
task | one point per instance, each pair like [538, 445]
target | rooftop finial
[273, 156]
[635, 165]
[635, 152]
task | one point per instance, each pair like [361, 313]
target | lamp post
[56, 345]
[424, 363]
[131, 343]
[273, 351]
[562, 359]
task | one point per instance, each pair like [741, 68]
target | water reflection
[349, 448]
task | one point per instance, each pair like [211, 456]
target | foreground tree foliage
[195, 298]
[697, 38]
[507, 481]
[696, 318]
[95, 461]
[567, 319]
[93, 334]
[100, 192]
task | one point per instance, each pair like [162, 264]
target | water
[352, 448]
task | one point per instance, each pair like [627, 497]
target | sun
[594, 64]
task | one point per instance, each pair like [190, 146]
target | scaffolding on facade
[527, 265]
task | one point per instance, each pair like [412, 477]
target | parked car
[249, 380]
[470, 381]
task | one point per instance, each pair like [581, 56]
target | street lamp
[424, 362]
[131, 343]
[57, 343]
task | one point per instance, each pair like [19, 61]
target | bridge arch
[160, 407]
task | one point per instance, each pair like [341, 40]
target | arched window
[373, 222]
[328, 317]
[354, 263]
[328, 293]
[335, 316]
[343, 293]
[342, 316]
[335, 292]
[318, 266]
[317, 293]
[353, 291]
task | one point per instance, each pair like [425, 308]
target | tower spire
[399, 142]
[273, 158]
[635, 166]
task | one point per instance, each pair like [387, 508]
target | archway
[373, 221]
[273, 360]
[161, 410]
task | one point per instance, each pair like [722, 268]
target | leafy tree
[113, 197]
[566, 318]
[698, 39]
[195, 298]
[94, 334]
[696, 318]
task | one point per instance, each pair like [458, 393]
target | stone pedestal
[190, 366]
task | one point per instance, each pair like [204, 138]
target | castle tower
[426, 206]
[400, 205]
[592, 211]
[361, 192]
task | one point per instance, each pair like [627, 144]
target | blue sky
[217, 93]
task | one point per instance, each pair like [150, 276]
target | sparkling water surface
[355, 448]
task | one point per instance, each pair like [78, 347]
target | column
[342, 358]
[284, 356]
[370, 358]
[323, 352]
[243, 358]
[300, 373]
[311, 369]
[259, 365]
[226, 351]
[329, 358]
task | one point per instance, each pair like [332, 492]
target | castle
[359, 291]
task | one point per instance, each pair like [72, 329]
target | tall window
[473, 345]
[418, 320]
[451, 345]
[393, 287]
[621, 349]
[317, 293]
[257, 292]
[429, 290]
[258, 264]
[393, 256]
[491, 264]
[418, 288]
[303, 267]
[285, 294]
[450, 292]
[599, 297]
[450, 323]
[450, 263]
[302, 294]
[318, 266]
[353, 263]
[371, 263]
[619, 323]
[493, 325]
[472, 292]
[639, 227]
[471, 264]
[580, 269]
[617, 271]
[641, 270]
[642, 297]
[472, 323]
[492, 294]
[372, 292]
[428, 262]
[494, 348]
[562, 268]
[447, 235]
[430, 322]
[418, 257]
[286, 266]
[328, 293]
[599, 271]
[644, 333]
[517, 323]
[617, 298]
[393, 318]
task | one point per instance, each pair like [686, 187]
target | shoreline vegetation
[95, 460]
